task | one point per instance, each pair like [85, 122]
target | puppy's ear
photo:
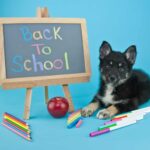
[105, 49]
[130, 54]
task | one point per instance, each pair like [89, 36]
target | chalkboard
[50, 48]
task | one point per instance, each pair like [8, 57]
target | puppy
[122, 88]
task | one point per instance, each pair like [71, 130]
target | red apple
[58, 107]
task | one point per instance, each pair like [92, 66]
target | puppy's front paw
[87, 111]
[103, 114]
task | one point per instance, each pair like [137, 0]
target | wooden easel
[43, 12]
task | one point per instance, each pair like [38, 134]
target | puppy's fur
[122, 88]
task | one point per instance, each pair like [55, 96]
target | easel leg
[46, 94]
[42, 13]
[27, 103]
[68, 96]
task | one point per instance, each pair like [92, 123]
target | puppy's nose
[112, 78]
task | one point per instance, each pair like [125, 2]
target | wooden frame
[2, 58]
[29, 82]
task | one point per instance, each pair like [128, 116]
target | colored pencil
[13, 120]
[23, 122]
[18, 125]
[28, 132]
[24, 126]
[27, 138]
[18, 130]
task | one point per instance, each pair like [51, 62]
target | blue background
[120, 22]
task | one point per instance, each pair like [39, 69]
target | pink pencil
[27, 138]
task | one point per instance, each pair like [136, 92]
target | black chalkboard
[43, 49]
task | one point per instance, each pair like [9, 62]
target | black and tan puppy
[122, 88]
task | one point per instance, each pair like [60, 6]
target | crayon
[96, 133]
[122, 115]
[109, 122]
[135, 112]
[71, 120]
[74, 113]
[114, 123]
[123, 124]
[107, 126]
[23, 122]
[73, 123]
[107, 130]
[79, 123]
[74, 118]
[136, 118]
[118, 118]
[27, 138]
